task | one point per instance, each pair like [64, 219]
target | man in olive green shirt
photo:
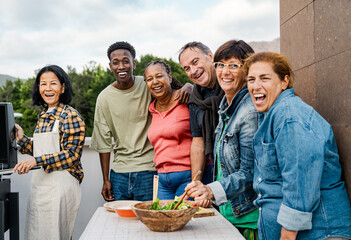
[122, 117]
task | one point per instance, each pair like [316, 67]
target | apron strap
[56, 126]
[57, 122]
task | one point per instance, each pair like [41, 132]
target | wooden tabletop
[108, 225]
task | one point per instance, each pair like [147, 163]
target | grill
[9, 210]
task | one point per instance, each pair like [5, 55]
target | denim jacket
[235, 153]
[297, 173]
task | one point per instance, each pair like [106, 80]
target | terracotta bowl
[164, 220]
[123, 208]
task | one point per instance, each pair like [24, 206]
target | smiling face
[231, 81]
[158, 81]
[198, 67]
[122, 64]
[50, 88]
[264, 85]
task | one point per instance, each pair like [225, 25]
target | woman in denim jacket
[234, 158]
[297, 171]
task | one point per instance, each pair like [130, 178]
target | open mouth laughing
[199, 75]
[227, 80]
[259, 97]
[122, 74]
[157, 89]
[49, 95]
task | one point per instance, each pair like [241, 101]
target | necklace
[165, 107]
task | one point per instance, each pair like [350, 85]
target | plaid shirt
[72, 136]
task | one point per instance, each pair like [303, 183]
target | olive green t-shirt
[123, 116]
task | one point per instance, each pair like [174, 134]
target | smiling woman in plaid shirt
[56, 146]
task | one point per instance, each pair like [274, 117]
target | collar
[206, 92]
[287, 93]
[200, 94]
[153, 109]
[55, 114]
[224, 109]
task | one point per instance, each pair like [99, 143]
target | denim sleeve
[300, 157]
[237, 182]
[219, 194]
[294, 220]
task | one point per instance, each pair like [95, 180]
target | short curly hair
[121, 45]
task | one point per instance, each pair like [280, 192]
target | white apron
[54, 197]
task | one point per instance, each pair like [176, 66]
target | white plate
[122, 204]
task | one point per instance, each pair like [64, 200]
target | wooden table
[108, 225]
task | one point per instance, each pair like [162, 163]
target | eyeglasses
[232, 66]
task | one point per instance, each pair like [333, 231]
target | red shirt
[170, 135]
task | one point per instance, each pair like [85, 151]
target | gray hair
[202, 47]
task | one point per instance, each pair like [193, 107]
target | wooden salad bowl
[164, 220]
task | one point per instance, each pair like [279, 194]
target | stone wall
[316, 37]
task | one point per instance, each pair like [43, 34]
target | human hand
[184, 93]
[19, 132]
[203, 203]
[199, 192]
[106, 191]
[287, 234]
[206, 203]
[25, 165]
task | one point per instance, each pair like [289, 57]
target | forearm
[287, 234]
[197, 157]
[105, 165]
[26, 145]
[106, 191]
[61, 160]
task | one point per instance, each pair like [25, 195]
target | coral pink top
[170, 135]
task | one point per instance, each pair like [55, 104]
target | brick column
[315, 35]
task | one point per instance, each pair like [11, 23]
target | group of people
[268, 160]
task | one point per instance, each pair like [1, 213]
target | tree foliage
[86, 87]
[177, 71]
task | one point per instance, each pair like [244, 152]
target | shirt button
[260, 195]
[260, 179]
[260, 209]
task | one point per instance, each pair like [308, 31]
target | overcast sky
[35, 33]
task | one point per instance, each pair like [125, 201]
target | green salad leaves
[170, 206]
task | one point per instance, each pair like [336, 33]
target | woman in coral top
[169, 131]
